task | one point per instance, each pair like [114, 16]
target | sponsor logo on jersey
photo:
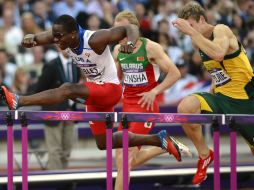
[121, 59]
[87, 54]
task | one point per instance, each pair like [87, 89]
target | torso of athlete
[139, 75]
[96, 68]
[232, 75]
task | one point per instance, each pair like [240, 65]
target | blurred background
[20, 69]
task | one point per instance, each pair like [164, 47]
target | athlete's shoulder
[152, 46]
[88, 33]
[221, 28]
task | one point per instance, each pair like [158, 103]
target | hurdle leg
[24, 152]
[216, 145]
[125, 142]
[9, 122]
[109, 151]
[233, 155]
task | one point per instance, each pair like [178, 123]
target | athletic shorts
[221, 104]
[102, 97]
[138, 127]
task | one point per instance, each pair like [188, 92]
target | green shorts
[220, 104]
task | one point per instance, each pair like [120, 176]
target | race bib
[91, 71]
[135, 79]
[219, 76]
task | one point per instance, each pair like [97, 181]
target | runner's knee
[100, 141]
[189, 104]
[101, 146]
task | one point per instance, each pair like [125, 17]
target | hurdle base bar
[75, 175]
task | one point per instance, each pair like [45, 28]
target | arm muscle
[159, 57]
[217, 48]
[101, 38]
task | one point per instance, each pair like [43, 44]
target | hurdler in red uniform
[140, 72]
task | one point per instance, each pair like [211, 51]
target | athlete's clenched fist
[29, 41]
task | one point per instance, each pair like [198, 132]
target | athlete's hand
[29, 41]
[125, 48]
[147, 99]
[184, 26]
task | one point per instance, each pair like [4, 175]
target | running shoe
[202, 166]
[173, 146]
[11, 99]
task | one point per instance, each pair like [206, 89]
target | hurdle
[216, 120]
[232, 120]
[26, 116]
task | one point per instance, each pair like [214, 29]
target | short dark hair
[68, 23]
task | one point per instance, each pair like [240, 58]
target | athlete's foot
[173, 146]
[10, 98]
[202, 166]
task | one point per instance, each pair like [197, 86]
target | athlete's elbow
[177, 75]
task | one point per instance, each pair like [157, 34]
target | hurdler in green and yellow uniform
[233, 82]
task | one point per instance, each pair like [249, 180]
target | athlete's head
[194, 14]
[65, 32]
[125, 18]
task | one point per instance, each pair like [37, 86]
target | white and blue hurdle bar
[216, 120]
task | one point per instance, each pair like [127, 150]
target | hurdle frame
[178, 119]
[26, 116]
[229, 119]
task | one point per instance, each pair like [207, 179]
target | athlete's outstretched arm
[101, 38]
[157, 56]
[42, 38]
